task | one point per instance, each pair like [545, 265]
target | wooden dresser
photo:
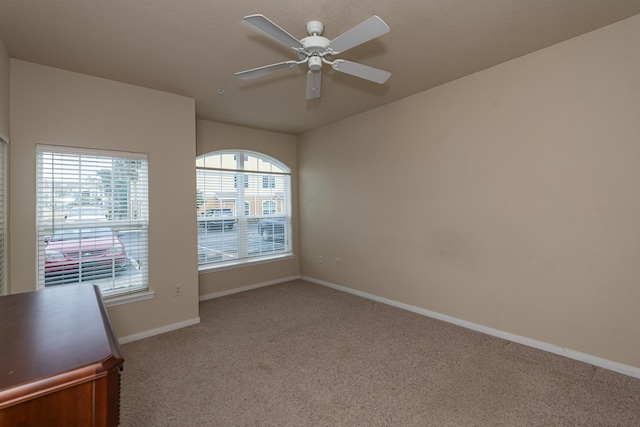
[59, 359]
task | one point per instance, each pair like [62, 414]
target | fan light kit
[315, 50]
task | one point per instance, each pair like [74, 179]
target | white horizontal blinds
[3, 288]
[92, 219]
[217, 217]
[246, 188]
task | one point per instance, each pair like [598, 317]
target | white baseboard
[540, 345]
[158, 331]
[247, 288]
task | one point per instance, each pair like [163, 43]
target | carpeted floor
[299, 354]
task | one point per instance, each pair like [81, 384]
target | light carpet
[300, 354]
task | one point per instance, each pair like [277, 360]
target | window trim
[244, 262]
[121, 299]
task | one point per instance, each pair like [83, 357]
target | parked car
[134, 240]
[217, 218]
[75, 253]
[85, 213]
[271, 228]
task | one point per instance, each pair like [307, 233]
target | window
[3, 288]
[92, 219]
[268, 207]
[240, 224]
[268, 181]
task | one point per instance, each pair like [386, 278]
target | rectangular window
[268, 181]
[92, 219]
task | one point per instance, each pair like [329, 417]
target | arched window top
[241, 160]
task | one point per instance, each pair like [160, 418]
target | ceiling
[194, 47]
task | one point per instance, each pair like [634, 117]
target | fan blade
[361, 33]
[256, 72]
[359, 70]
[314, 82]
[269, 27]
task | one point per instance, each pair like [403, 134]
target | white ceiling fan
[315, 50]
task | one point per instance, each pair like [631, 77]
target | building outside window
[268, 182]
[268, 207]
[241, 224]
[92, 219]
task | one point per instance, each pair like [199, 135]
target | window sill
[128, 298]
[209, 268]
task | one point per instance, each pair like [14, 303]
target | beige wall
[213, 136]
[57, 107]
[4, 90]
[508, 198]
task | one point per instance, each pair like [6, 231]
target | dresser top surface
[50, 332]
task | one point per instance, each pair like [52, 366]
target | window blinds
[92, 219]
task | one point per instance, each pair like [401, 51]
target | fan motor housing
[314, 45]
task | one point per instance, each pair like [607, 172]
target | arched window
[242, 223]
[268, 207]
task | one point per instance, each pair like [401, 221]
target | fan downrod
[315, 28]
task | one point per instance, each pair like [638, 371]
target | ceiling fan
[314, 50]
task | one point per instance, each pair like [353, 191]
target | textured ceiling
[194, 47]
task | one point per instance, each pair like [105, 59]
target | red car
[74, 254]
